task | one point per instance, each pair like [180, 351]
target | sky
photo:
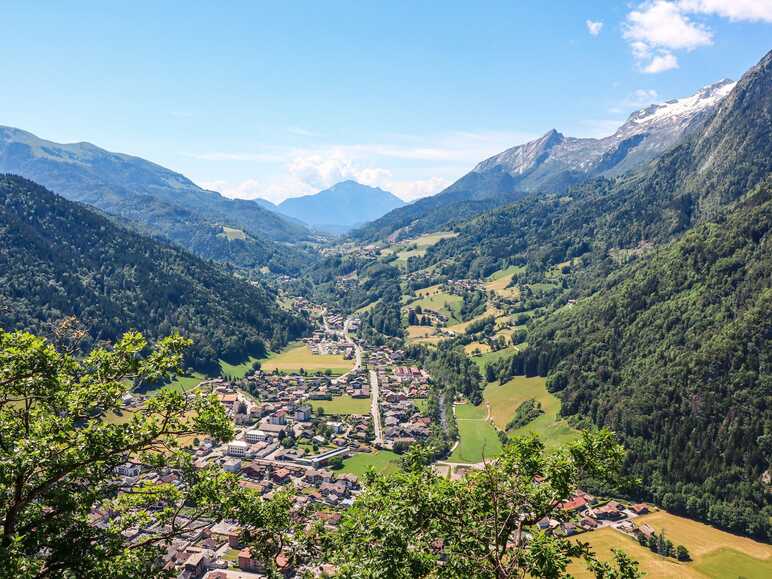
[280, 99]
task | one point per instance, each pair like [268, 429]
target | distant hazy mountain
[265, 203]
[342, 206]
[160, 201]
[555, 162]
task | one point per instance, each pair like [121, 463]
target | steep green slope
[159, 201]
[675, 354]
[58, 258]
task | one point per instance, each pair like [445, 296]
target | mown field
[504, 400]
[297, 355]
[470, 411]
[477, 440]
[490, 357]
[382, 461]
[498, 282]
[473, 348]
[343, 405]
[445, 303]
[715, 553]
[416, 247]
[418, 332]
[237, 370]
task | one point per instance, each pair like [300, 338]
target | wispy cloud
[734, 10]
[637, 99]
[389, 164]
[657, 28]
[239, 156]
[593, 27]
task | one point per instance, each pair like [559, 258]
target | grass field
[603, 540]
[478, 440]
[442, 302]
[185, 382]
[504, 400]
[343, 405]
[232, 233]
[507, 272]
[715, 553]
[383, 461]
[461, 327]
[297, 355]
[470, 411]
[730, 563]
[473, 347]
[485, 359]
[237, 370]
[422, 404]
[429, 290]
[416, 332]
[498, 282]
[405, 249]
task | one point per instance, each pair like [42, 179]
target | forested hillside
[675, 354]
[58, 259]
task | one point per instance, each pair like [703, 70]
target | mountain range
[341, 207]
[554, 163]
[663, 331]
[158, 201]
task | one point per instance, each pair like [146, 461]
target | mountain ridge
[157, 199]
[342, 206]
[554, 163]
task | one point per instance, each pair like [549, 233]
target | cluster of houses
[463, 286]
[403, 423]
[586, 513]
[322, 343]
[219, 550]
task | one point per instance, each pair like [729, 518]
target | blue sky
[285, 98]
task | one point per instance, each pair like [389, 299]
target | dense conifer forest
[59, 259]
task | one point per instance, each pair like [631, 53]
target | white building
[253, 436]
[237, 448]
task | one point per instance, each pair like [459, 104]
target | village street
[375, 409]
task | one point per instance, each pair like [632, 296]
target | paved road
[357, 349]
[375, 409]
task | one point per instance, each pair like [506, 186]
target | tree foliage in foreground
[418, 524]
[57, 461]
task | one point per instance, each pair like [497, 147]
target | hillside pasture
[504, 400]
[716, 554]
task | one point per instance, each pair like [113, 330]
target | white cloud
[661, 24]
[412, 190]
[660, 63]
[239, 156]
[593, 27]
[655, 29]
[734, 10]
